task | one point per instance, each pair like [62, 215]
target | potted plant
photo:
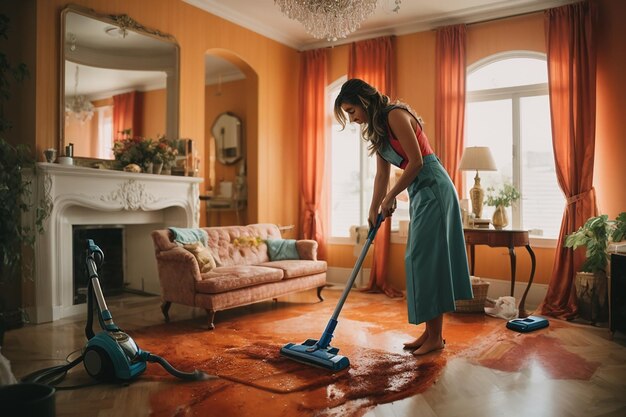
[13, 193]
[165, 155]
[591, 282]
[501, 199]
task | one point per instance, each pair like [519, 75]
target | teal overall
[437, 273]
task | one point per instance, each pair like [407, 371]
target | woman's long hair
[359, 93]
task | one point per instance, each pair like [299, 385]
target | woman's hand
[388, 206]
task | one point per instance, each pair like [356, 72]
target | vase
[167, 169]
[500, 219]
[147, 167]
[157, 167]
[592, 296]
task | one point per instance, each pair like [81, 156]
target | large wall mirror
[117, 78]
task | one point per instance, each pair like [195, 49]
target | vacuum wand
[319, 352]
[332, 323]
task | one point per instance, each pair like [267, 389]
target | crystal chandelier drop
[329, 19]
[77, 106]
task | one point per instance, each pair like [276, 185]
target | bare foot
[417, 342]
[430, 346]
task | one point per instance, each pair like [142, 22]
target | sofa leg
[319, 292]
[211, 314]
[165, 309]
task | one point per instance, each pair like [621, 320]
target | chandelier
[77, 106]
[329, 19]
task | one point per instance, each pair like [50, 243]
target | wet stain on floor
[254, 379]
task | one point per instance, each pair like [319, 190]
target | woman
[435, 260]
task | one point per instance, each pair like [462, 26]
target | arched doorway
[231, 92]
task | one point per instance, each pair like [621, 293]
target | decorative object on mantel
[330, 20]
[50, 154]
[501, 199]
[150, 155]
[165, 155]
[477, 158]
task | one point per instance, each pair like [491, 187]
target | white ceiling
[265, 17]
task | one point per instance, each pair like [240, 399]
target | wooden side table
[503, 239]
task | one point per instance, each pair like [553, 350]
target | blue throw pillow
[282, 249]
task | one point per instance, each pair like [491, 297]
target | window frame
[515, 94]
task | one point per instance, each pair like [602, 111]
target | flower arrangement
[134, 150]
[505, 196]
[165, 151]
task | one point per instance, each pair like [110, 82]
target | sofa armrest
[178, 273]
[307, 249]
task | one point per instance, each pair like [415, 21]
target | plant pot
[500, 219]
[592, 296]
[27, 400]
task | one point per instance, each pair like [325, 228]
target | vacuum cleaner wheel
[98, 363]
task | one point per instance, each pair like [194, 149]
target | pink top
[422, 141]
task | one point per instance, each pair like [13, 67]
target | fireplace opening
[111, 273]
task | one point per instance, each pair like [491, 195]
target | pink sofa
[243, 273]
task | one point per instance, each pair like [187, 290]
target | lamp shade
[477, 158]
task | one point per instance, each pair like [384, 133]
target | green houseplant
[591, 281]
[15, 201]
[501, 199]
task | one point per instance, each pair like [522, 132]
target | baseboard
[497, 287]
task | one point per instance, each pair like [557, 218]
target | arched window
[508, 111]
[350, 173]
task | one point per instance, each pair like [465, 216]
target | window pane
[542, 199]
[489, 124]
[344, 178]
[508, 73]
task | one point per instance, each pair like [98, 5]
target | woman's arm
[381, 182]
[401, 124]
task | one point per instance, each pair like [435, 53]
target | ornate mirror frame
[227, 133]
[124, 23]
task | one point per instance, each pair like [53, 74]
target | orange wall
[276, 66]
[611, 108]
[153, 113]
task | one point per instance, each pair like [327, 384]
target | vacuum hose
[196, 375]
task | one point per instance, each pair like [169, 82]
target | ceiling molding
[493, 11]
[240, 19]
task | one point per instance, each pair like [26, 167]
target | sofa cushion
[203, 256]
[237, 245]
[297, 268]
[282, 249]
[228, 278]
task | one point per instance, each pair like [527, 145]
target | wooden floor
[463, 389]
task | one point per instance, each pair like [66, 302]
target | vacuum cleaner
[319, 352]
[111, 354]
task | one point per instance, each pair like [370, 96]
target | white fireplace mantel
[88, 196]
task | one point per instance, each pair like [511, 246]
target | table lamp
[477, 158]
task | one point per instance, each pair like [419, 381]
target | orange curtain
[450, 99]
[572, 82]
[373, 61]
[313, 80]
[127, 114]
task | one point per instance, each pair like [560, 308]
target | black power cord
[53, 375]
